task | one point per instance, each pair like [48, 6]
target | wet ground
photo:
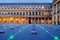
[29, 32]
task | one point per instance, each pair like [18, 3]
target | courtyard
[29, 32]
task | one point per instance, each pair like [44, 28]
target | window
[29, 8]
[33, 8]
[26, 8]
[20, 8]
[33, 13]
[23, 8]
[0, 13]
[26, 13]
[29, 13]
[17, 13]
[17, 7]
[36, 8]
[36, 13]
[20, 13]
[14, 13]
[43, 6]
[36, 18]
[5, 8]
[5, 13]
[23, 13]
[14, 7]
[8, 13]
[39, 13]
[8, 8]
[25, 5]
[11, 13]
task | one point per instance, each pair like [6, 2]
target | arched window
[36, 13]
[14, 13]
[17, 13]
[39, 13]
[8, 13]
[29, 13]
[5, 13]
[33, 13]
[26, 13]
[20, 13]
[0, 13]
[11, 13]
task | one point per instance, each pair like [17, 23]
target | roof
[26, 4]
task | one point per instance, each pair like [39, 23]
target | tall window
[8, 13]
[26, 13]
[14, 13]
[0, 13]
[36, 13]
[20, 13]
[33, 13]
[17, 13]
[23, 13]
[39, 13]
[11, 13]
[29, 13]
[5, 13]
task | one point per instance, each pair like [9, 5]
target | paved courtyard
[29, 32]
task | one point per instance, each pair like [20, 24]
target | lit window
[42, 21]
[42, 6]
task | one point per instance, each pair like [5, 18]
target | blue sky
[25, 1]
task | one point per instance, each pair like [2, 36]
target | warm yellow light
[49, 21]
[16, 19]
[42, 21]
[23, 19]
[1, 19]
[4, 19]
[7, 19]
[11, 18]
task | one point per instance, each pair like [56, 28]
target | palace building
[40, 13]
[56, 12]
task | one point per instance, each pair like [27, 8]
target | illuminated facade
[56, 12]
[26, 13]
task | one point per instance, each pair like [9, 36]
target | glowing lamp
[42, 6]
[42, 21]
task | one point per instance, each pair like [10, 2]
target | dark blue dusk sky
[25, 1]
